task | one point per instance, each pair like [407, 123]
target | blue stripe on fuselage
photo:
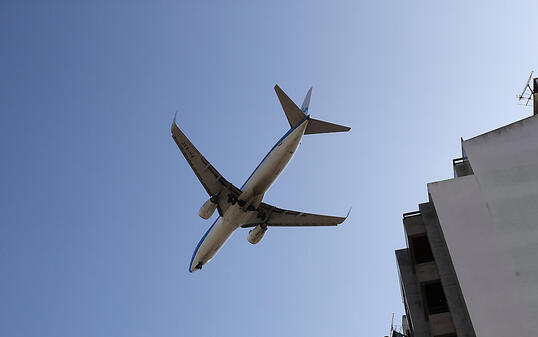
[280, 140]
[200, 243]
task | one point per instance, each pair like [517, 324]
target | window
[435, 298]
[422, 251]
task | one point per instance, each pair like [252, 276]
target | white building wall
[484, 272]
[490, 224]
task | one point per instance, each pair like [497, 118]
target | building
[471, 263]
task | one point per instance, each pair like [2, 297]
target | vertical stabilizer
[306, 102]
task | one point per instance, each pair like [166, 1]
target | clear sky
[99, 210]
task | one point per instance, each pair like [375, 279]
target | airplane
[243, 207]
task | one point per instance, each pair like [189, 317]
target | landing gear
[198, 266]
[232, 199]
[251, 208]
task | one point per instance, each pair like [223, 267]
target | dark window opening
[435, 298]
[421, 249]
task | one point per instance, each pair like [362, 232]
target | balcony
[462, 167]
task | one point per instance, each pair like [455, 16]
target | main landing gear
[232, 199]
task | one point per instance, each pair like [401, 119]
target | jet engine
[207, 209]
[255, 235]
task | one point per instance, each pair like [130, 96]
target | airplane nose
[191, 267]
[196, 265]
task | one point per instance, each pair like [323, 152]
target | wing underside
[214, 183]
[278, 217]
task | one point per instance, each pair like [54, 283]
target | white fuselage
[252, 193]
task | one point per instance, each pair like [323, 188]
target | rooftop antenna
[528, 92]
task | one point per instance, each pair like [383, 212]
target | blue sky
[99, 209]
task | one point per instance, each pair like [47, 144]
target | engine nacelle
[255, 235]
[207, 209]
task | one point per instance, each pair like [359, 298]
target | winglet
[347, 215]
[174, 125]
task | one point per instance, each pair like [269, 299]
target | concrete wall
[441, 324]
[486, 271]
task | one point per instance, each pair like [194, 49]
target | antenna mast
[530, 93]
[535, 95]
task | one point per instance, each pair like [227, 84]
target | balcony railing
[411, 214]
[462, 167]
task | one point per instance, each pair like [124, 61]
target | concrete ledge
[441, 324]
[411, 295]
[414, 225]
[427, 272]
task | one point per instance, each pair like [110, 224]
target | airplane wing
[278, 217]
[216, 186]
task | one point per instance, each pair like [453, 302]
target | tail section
[296, 115]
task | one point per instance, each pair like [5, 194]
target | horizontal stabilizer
[317, 126]
[293, 113]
